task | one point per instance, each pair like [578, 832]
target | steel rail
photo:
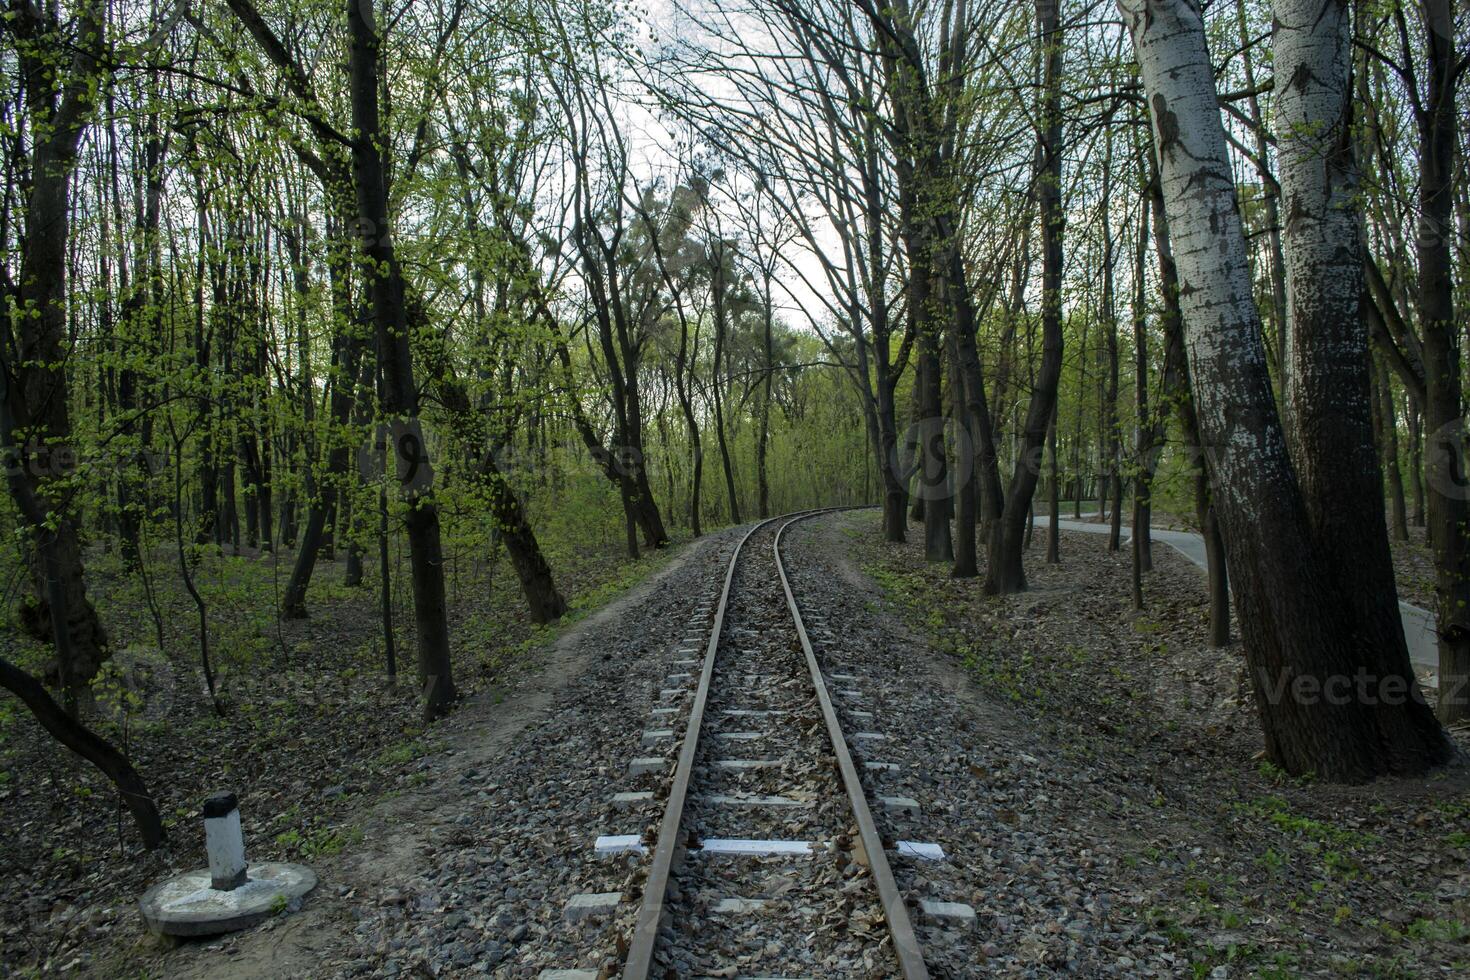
[638, 964]
[905, 942]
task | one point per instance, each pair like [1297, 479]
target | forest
[355, 355]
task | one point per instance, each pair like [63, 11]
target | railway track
[767, 860]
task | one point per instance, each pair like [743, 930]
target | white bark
[1292, 590]
[1324, 271]
[1222, 324]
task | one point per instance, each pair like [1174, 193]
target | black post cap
[220, 805]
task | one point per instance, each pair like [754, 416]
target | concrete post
[224, 842]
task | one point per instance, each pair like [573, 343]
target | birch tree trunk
[1328, 401]
[1305, 649]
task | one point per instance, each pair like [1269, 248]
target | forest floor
[1093, 773]
[1413, 564]
[310, 730]
[1145, 787]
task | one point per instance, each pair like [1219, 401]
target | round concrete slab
[188, 906]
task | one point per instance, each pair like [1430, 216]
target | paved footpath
[1418, 623]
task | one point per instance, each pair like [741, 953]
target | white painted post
[224, 842]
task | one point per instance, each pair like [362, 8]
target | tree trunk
[1449, 511]
[60, 90]
[1005, 573]
[717, 385]
[288, 499]
[1388, 413]
[137, 325]
[966, 561]
[1300, 631]
[537, 584]
[1108, 410]
[355, 520]
[984, 469]
[895, 492]
[400, 400]
[1054, 528]
[1217, 575]
[1328, 367]
[1217, 570]
[1416, 463]
[385, 570]
[322, 505]
[1150, 434]
[933, 472]
[763, 433]
[913, 451]
[696, 456]
[85, 743]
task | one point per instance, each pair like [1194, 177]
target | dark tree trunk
[250, 460]
[1416, 464]
[885, 373]
[933, 473]
[763, 433]
[347, 351]
[1329, 374]
[85, 743]
[1151, 433]
[1389, 445]
[1054, 528]
[385, 571]
[207, 521]
[1115, 517]
[966, 561]
[913, 452]
[543, 599]
[288, 498]
[146, 287]
[1005, 573]
[58, 74]
[1217, 572]
[1080, 485]
[719, 292]
[1108, 383]
[537, 584]
[1449, 511]
[356, 519]
[400, 400]
[987, 500]
[231, 510]
[263, 498]
[919, 179]
[683, 388]
[895, 488]
[339, 461]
